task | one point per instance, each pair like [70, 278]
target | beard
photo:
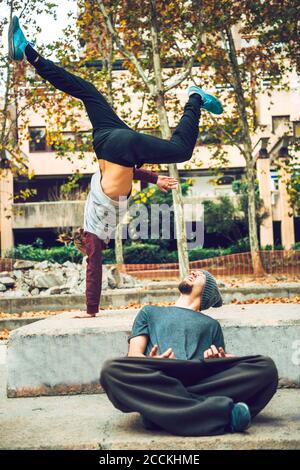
[185, 288]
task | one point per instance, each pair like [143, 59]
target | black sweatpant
[113, 140]
[189, 397]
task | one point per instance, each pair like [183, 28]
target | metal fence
[238, 264]
[6, 264]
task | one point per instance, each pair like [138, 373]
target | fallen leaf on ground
[268, 300]
[4, 334]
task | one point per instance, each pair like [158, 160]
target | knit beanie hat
[211, 296]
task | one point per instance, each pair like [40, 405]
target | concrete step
[91, 422]
[164, 292]
[14, 323]
[64, 355]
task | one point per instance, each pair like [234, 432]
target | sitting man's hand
[168, 354]
[214, 352]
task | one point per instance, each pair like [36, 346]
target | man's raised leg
[101, 115]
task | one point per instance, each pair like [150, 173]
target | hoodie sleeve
[94, 246]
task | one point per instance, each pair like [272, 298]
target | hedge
[136, 253]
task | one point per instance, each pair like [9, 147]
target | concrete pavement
[91, 422]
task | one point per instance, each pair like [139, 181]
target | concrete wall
[70, 213]
[48, 214]
[120, 297]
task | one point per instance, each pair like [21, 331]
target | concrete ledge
[64, 355]
[121, 297]
[91, 422]
[14, 323]
[259, 292]
[117, 299]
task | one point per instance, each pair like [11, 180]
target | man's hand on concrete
[168, 354]
[214, 352]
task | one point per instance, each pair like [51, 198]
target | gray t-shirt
[187, 332]
[101, 213]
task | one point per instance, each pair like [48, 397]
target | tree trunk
[250, 173]
[182, 250]
[253, 238]
[156, 91]
[119, 247]
[109, 69]
[166, 134]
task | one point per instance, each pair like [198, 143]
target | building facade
[45, 212]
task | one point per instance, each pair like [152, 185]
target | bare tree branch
[141, 112]
[232, 141]
[23, 10]
[130, 56]
[239, 93]
[189, 65]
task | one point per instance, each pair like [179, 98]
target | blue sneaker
[240, 418]
[16, 40]
[210, 103]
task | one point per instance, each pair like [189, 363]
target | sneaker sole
[212, 99]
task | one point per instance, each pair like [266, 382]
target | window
[296, 129]
[224, 87]
[278, 121]
[274, 179]
[67, 142]
[70, 141]
[75, 142]
[269, 80]
[37, 139]
[84, 141]
[207, 137]
[249, 41]
[225, 180]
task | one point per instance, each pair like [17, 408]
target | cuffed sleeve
[94, 247]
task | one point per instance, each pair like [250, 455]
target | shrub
[222, 217]
[58, 254]
[136, 253]
[144, 253]
[108, 256]
[241, 246]
[271, 248]
[140, 253]
[196, 254]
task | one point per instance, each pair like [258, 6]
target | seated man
[177, 374]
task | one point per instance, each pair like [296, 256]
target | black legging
[113, 140]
